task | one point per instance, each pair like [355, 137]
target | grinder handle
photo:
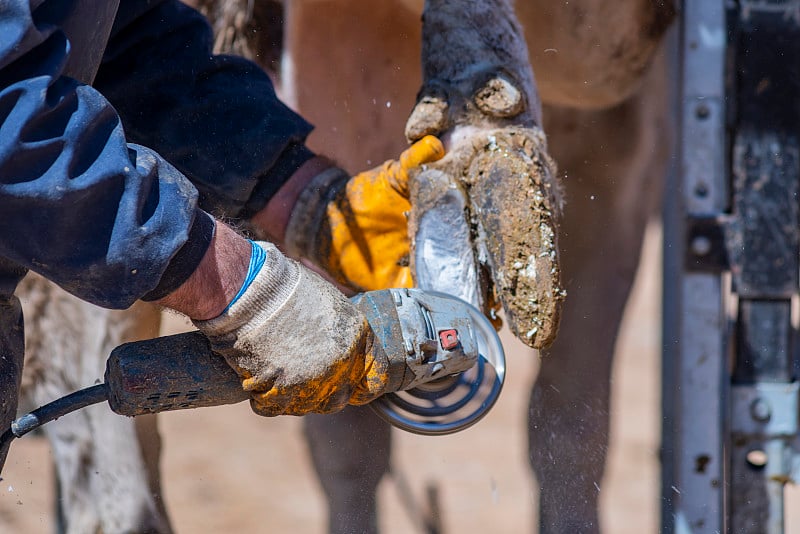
[169, 373]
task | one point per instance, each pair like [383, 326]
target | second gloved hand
[299, 345]
[356, 228]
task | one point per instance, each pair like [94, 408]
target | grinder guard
[443, 336]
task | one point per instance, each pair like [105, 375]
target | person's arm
[216, 118]
[112, 222]
[273, 218]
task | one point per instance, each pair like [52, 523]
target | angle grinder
[452, 400]
[443, 353]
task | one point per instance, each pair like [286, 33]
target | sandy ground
[225, 470]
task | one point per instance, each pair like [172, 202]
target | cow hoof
[490, 98]
[511, 206]
[479, 95]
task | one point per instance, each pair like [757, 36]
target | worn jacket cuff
[188, 257]
[290, 160]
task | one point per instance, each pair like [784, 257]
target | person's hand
[299, 345]
[356, 228]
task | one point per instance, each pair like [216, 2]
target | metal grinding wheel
[455, 402]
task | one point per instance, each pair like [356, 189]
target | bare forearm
[217, 279]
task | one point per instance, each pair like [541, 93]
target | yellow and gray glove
[298, 344]
[356, 228]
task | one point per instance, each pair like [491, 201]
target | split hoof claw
[515, 202]
[429, 117]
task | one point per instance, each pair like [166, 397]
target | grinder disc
[452, 403]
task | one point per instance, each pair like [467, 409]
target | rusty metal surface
[765, 258]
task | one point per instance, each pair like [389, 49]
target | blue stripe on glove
[257, 257]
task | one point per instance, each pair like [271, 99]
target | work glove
[356, 228]
[298, 344]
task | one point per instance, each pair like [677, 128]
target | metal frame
[732, 256]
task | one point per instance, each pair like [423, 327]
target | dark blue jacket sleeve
[216, 118]
[104, 219]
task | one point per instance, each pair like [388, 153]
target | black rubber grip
[170, 373]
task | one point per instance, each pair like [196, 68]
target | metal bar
[763, 335]
[702, 139]
[697, 487]
[750, 414]
[694, 322]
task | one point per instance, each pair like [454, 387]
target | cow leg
[612, 162]
[350, 453]
[107, 478]
[357, 87]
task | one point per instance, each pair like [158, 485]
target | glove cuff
[272, 287]
[303, 230]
